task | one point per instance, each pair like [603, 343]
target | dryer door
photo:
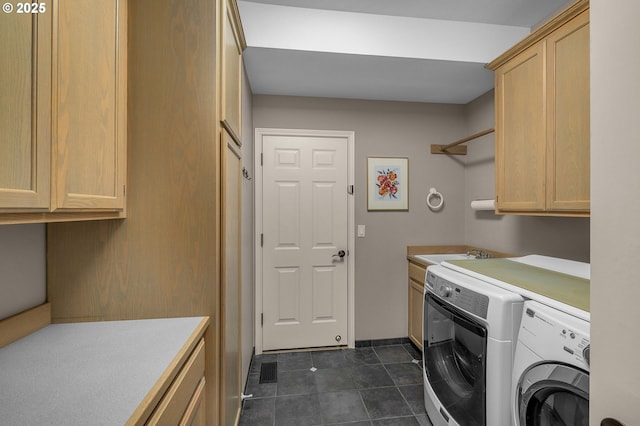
[554, 395]
[455, 350]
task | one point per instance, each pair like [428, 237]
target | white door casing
[304, 218]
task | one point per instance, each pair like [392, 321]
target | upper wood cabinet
[542, 119]
[232, 44]
[89, 127]
[63, 112]
[25, 110]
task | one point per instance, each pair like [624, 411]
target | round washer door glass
[554, 395]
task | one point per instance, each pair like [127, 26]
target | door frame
[351, 236]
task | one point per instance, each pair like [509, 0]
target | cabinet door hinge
[124, 190]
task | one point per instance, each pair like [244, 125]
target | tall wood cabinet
[232, 44]
[542, 119]
[176, 252]
[63, 112]
[231, 349]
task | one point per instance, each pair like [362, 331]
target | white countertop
[91, 373]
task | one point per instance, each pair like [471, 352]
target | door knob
[340, 254]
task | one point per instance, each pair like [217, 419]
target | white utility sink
[437, 258]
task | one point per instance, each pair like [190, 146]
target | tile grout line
[384, 365]
[346, 363]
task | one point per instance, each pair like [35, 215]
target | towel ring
[434, 199]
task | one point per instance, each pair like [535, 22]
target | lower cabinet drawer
[196, 414]
[417, 272]
[173, 408]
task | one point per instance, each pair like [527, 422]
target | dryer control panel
[459, 296]
[565, 337]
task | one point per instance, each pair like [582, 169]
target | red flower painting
[387, 183]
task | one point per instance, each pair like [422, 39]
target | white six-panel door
[304, 228]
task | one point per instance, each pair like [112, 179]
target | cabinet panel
[542, 119]
[417, 272]
[90, 104]
[231, 295]
[25, 110]
[568, 109]
[416, 292]
[520, 132]
[177, 400]
[232, 47]
[196, 414]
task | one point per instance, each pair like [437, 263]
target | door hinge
[124, 190]
[261, 240]
[350, 189]
[261, 319]
[261, 158]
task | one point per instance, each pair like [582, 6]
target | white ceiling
[402, 50]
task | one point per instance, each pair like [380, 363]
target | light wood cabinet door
[542, 119]
[196, 414]
[520, 132]
[89, 127]
[416, 299]
[416, 292]
[231, 381]
[25, 110]
[178, 400]
[232, 41]
[568, 117]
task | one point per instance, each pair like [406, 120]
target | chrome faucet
[478, 254]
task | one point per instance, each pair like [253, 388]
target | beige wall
[552, 236]
[386, 129]
[615, 211]
[22, 268]
[408, 129]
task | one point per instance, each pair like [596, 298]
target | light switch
[360, 231]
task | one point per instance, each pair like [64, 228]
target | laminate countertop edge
[414, 251]
[91, 372]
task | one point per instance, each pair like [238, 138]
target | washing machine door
[455, 352]
[553, 394]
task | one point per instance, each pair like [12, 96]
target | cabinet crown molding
[547, 28]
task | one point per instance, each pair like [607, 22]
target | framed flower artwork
[387, 183]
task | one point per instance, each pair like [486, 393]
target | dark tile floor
[378, 385]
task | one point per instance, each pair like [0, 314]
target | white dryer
[469, 337]
[550, 379]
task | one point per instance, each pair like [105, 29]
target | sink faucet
[478, 254]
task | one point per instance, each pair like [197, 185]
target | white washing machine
[469, 332]
[551, 368]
